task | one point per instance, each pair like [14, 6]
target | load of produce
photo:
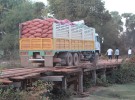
[39, 28]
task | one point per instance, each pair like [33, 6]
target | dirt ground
[114, 92]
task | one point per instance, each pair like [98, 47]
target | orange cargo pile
[38, 28]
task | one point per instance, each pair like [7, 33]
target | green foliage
[125, 74]
[93, 12]
[12, 13]
[38, 9]
[130, 29]
[11, 94]
[102, 82]
[87, 81]
[35, 93]
[59, 94]
[40, 85]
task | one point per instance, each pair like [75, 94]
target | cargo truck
[69, 44]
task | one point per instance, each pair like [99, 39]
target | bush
[125, 74]
[36, 92]
[87, 81]
[59, 94]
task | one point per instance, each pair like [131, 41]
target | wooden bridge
[18, 76]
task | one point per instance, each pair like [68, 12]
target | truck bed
[65, 37]
[58, 44]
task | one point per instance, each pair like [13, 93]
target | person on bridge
[116, 54]
[129, 52]
[109, 53]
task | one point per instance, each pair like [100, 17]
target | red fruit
[49, 36]
[35, 23]
[33, 28]
[44, 35]
[24, 27]
[45, 31]
[38, 30]
[28, 22]
[37, 34]
[45, 22]
[23, 36]
[32, 36]
[51, 27]
[40, 25]
[27, 35]
[37, 20]
[32, 32]
[49, 32]
[30, 26]
[25, 31]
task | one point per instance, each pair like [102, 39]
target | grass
[10, 64]
[115, 92]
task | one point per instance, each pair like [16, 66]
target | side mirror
[102, 39]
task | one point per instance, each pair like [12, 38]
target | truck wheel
[69, 59]
[75, 59]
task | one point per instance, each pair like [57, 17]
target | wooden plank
[52, 78]
[14, 69]
[67, 71]
[24, 72]
[17, 71]
[26, 76]
[7, 81]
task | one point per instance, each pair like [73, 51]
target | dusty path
[114, 92]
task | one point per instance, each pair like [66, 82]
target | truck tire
[75, 59]
[69, 59]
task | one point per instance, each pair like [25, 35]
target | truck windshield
[97, 39]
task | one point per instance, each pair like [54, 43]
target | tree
[111, 36]
[93, 12]
[39, 7]
[17, 11]
[130, 29]
[117, 20]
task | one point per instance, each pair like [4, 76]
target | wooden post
[48, 61]
[80, 82]
[95, 60]
[24, 84]
[94, 76]
[64, 83]
[103, 76]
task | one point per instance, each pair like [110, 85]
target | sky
[122, 6]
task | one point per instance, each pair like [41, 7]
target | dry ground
[115, 92]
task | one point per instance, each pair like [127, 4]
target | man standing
[129, 52]
[109, 53]
[117, 52]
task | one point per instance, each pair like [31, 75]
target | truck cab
[97, 44]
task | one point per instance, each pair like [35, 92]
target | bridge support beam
[94, 77]
[80, 82]
[103, 75]
[64, 83]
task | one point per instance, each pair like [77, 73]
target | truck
[69, 44]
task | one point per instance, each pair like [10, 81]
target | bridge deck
[7, 75]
